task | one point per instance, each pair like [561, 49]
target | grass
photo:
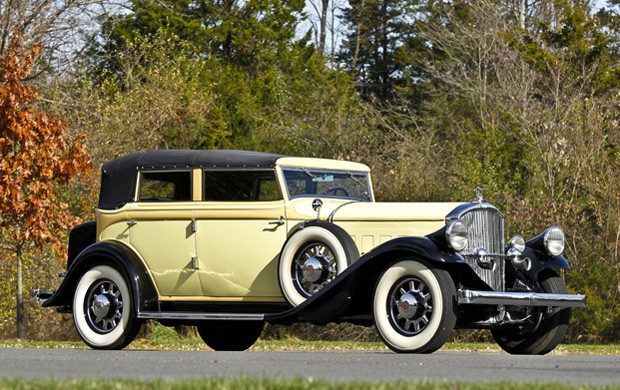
[166, 339]
[264, 384]
[196, 344]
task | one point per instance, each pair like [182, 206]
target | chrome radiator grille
[486, 230]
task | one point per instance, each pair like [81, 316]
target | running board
[192, 316]
[472, 297]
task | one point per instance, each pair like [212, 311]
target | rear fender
[116, 255]
[80, 238]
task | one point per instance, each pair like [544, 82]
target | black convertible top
[119, 176]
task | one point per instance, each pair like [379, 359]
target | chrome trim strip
[159, 315]
[472, 297]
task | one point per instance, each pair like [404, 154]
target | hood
[341, 210]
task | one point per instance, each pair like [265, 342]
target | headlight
[554, 241]
[456, 235]
[517, 242]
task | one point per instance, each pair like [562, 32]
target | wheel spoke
[410, 306]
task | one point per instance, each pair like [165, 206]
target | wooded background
[520, 97]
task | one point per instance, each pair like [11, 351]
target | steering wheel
[334, 191]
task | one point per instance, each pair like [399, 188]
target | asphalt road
[330, 366]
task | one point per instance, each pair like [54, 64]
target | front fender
[111, 253]
[351, 293]
[541, 262]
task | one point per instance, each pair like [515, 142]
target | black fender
[80, 238]
[111, 253]
[350, 294]
[541, 262]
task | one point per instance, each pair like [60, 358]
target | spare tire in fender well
[330, 250]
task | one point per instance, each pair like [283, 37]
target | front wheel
[414, 307]
[227, 335]
[102, 310]
[544, 329]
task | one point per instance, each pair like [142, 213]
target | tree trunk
[522, 13]
[323, 28]
[21, 320]
[358, 34]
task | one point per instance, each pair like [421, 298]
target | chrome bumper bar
[473, 297]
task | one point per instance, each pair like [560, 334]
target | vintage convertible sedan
[228, 240]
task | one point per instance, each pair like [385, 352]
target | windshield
[317, 182]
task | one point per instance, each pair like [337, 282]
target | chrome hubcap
[314, 267]
[101, 306]
[410, 306]
[312, 270]
[407, 306]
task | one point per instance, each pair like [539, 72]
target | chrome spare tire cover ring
[103, 306]
[410, 306]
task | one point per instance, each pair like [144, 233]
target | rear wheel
[230, 335]
[414, 307]
[102, 309]
[544, 329]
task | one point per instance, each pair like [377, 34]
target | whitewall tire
[414, 307]
[102, 309]
[313, 257]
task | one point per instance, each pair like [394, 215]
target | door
[161, 230]
[240, 232]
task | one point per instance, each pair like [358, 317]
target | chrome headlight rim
[517, 242]
[554, 241]
[457, 235]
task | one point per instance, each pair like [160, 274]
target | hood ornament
[479, 198]
[316, 206]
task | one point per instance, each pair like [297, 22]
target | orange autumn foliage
[35, 157]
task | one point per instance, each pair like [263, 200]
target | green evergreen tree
[376, 31]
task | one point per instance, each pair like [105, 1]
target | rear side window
[165, 187]
[240, 186]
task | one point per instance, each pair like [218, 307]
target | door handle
[277, 223]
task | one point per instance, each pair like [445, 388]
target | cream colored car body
[229, 251]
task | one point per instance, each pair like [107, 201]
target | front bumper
[474, 297]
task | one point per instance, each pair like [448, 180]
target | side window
[240, 186]
[165, 186]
